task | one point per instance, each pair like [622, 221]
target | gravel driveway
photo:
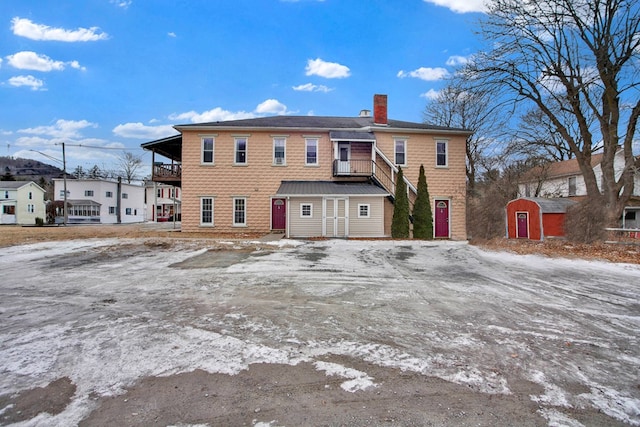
[176, 332]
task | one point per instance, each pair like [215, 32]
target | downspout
[541, 225]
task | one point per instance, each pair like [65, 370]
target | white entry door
[344, 158]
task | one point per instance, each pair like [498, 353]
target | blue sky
[104, 76]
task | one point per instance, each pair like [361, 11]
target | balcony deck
[167, 173]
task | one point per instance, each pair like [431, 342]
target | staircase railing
[389, 182]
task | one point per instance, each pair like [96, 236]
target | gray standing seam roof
[551, 205]
[320, 188]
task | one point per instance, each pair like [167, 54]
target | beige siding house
[21, 202]
[312, 176]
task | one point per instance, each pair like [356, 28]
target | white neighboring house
[564, 179]
[162, 200]
[21, 202]
[101, 201]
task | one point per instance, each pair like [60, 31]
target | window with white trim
[239, 211]
[240, 151]
[127, 211]
[109, 194]
[112, 210]
[206, 211]
[30, 195]
[572, 185]
[88, 193]
[306, 210]
[208, 143]
[31, 208]
[311, 151]
[279, 151]
[442, 155]
[400, 152]
[125, 195]
[364, 210]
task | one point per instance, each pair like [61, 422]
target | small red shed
[536, 217]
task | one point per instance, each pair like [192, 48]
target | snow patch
[358, 380]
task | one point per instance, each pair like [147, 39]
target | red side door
[278, 214]
[442, 219]
[522, 225]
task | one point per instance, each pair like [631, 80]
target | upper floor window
[125, 195]
[30, 195]
[400, 152]
[108, 194]
[279, 152]
[88, 193]
[239, 211]
[241, 151]
[159, 192]
[441, 153]
[6, 194]
[207, 149]
[572, 186]
[311, 151]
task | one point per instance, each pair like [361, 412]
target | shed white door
[336, 217]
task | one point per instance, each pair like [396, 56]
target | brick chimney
[380, 109]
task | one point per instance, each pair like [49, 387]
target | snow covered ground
[106, 313]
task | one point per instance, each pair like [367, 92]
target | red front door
[442, 219]
[522, 225]
[278, 214]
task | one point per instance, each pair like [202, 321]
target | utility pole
[64, 177]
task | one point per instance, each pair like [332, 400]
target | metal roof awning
[170, 147]
[329, 188]
[352, 136]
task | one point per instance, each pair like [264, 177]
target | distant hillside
[28, 169]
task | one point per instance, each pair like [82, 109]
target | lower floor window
[112, 210]
[9, 209]
[127, 211]
[363, 210]
[84, 210]
[239, 211]
[31, 208]
[206, 211]
[306, 210]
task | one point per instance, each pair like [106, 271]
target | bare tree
[129, 165]
[572, 59]
[473, 109]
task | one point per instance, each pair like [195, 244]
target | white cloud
[329, 70]
[215, 115]
[29, 81]
[26, 28]
[142, 131]
[122, 3]
[310, 87]
[27, 60]
[61, 129]
[271, 106]
[171, 34]
[461, 6]
[425, 73]
[457, 60]
[431, 94]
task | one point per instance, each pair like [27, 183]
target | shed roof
[324, 188]
[551, 205]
